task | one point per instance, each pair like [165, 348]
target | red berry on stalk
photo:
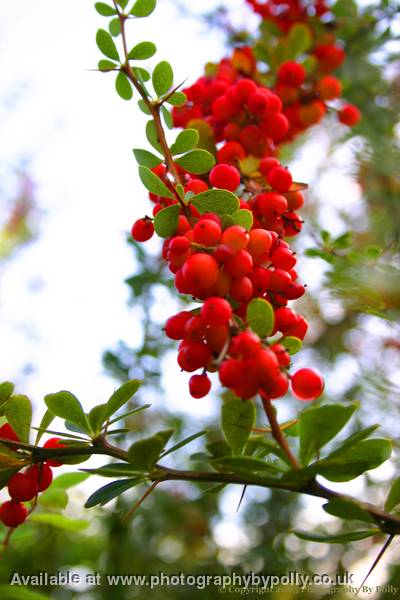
[235, 237]
[349, 115]
[142, 230]
[193, 356]
[42, 474]
[12, 513]
[239, 265]
[22, 488]
[199, 386]
[200, 271]
[291, 73]
[216, 312]
[8, 433]
[267, 164]
[232, 373]
[175, 326]
[307, 384]
[54, 442]
[225, 177]
[206, 232]
[179, 245]
[280, 179]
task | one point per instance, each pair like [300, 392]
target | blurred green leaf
[60, 521]
[393, 498]
[18, 412]
[143, 8]
[340, 538]
[260, 317]
[105, 10]
[237, 421]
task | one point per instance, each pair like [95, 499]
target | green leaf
[167, 117]
[141, 74]
[54, 498]
[340, 538]
[355, 460]
[153, 183]
[299, 39]
[143, 8]
[97, 417]
[18, 412]
[104, 10]
[6, 390]
[123, 86]
[345, 9]
[244, 218]
[393, 498]
[221, 202]
[206, 133]
[185, 141]
[146, 158]
[110, 491]
[60, 522]
[292, 344]
[17, 592]
[142, 51]
[260, 317]
[237, 421]
[46, 421]
[183, 443]
[68, 480]
[152, 136]
[177, 99]
[106, 65]
[143, 107]
[166, 221]
[353, 439]
[197, 161]
[129, 414]
[317, 426]
[114, 27]
[113, 470]
[121, 396]
[67, 406]
[162, 78]
[106, 44]
[243, 464]
[346, 509]
[145, 452]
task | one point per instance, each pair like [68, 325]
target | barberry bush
[228, 213]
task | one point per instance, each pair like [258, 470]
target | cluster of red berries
[226, 266]
[26, 485]
[305, 95]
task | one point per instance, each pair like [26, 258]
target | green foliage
[114, 27]
[146, 158]
[221, 202]
[243, 217]
[237, 421]
[143, 8]
[105, 10]
[153, 183]
[347, 509]
[260, 317]
[123, 86]
[244, 465]
[340, 538]
[299, 39]
[12, 592]
[393, 499]
[317, 426]
[106, 44]
[197, 161]
[292, 344]
[142, 51]
[110, 491]
[186, 140]
[53, 497]
[166, 221]
[162, 78]
[355, 460]
[18, 412]
[176, 99]
[6, 390]
[144, 453]
[106, 65]
[152, 136]
[120, 397]
[60, 522]
[66, 406]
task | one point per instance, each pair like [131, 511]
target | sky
[62, 297]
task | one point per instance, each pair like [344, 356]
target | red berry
[199, 386]
[240, 264]
[54, 442]
[216, 312]
[349, 115]
[206, 232]
[42, 474]
[260, 241]
[22, 488]
[193, 356]
[175, 326]
[200, 271]
[268, 163]
[142, 230]
[8, 433]
[195, 329]
[329, 87]
[231, 152]
[241, 289]
[225, 177]
[236, 237]
[280, 179]
[179, 245]
[276, 126]
[307, 384]
[232, 373]
[12, 513]
[283, 258]
[245, 344]
[196, 186]
[291, 73]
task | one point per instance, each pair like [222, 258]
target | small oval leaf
[106, 44]
[260, 317]
[166, 221]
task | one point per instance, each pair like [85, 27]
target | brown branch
[277, 432]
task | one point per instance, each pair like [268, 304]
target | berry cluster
[25, 486]
[226, 266]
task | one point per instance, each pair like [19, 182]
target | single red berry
[199, 386]
[283, 258]
[291, 73]
[42, 474]
[282, 354]
[267, 164]
[236, 237]
[196, 186]
[260, 242]
[195, 329]
[307, 384]
[8, 433]
[225, 176]
[175, 326]
[232, 373]
[54, 442]
[207, 232]
[245, 344]
[142, 230]
[240, 264]
[241, 289]
[329, 87]
[230, 152]
[193, 355]
[12, 513]
[275, 126]
[22, 488]
[279, 179]
[200, 271]
[216, 312]
[349, 115]
[179, 245]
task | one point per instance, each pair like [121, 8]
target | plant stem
[277, 432]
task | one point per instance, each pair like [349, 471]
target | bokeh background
[81, 309]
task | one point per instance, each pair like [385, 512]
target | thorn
[377, 560]
[241, 497]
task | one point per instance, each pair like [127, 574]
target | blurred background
[81, 309]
